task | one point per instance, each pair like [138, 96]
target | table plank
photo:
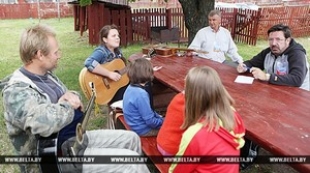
[276, 117]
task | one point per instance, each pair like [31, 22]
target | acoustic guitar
[105, 87]
[47, 146]
[165, 51]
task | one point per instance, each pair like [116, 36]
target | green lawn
[75, 49]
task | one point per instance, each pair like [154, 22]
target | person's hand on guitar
[194, 52]
[114, 76]
[72, 99]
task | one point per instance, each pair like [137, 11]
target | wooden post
[129, 26]
[234, 23]
[38, 7]
[76, 11]
[256, 22]
[148, 23]
[168, 18]
[82, 19]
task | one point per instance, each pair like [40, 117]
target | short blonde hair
[34, 39]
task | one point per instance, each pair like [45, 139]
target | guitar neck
[88, 112]
[182, 49]
[188, 50]
[81, 128]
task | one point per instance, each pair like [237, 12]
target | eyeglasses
[276, 39]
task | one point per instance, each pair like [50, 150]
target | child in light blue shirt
[138, 112]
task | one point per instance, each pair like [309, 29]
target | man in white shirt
[214, 42]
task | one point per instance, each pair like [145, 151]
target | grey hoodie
[297, 69]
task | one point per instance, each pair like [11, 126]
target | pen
[246, 68]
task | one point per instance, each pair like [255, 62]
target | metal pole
[38, 4]
[58, 9]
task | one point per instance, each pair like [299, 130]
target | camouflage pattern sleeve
[28, 109]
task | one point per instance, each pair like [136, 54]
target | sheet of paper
[117, 104]
[244, 79]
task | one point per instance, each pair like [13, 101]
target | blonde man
[37, 104]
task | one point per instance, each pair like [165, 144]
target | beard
[275, 50]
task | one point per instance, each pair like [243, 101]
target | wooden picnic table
[276, 117]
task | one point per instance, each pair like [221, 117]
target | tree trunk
[196, 15]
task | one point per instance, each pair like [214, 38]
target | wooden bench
[149, 145]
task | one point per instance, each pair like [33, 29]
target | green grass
[75, 49]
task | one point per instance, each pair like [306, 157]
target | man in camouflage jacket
[36, 103]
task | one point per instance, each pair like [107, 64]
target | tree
[195, 14]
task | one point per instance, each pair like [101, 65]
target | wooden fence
[241, 23]
[32, 10]
[145, 19]
[296, 17]
[246, 25]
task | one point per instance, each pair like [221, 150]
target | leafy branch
[85, 2]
